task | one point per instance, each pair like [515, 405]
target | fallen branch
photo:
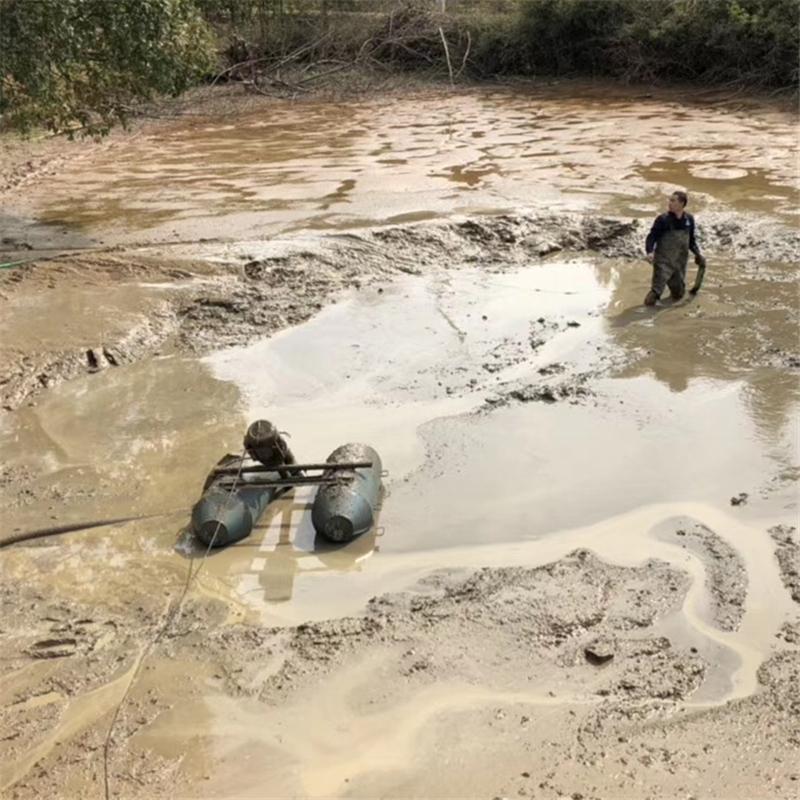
[299, 52]
[323, 74]
[249, 63]
[403, 46]
[293, 56]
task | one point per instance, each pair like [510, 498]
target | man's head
[677, 202]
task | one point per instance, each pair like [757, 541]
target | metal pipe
[294, 467]
[300, 480]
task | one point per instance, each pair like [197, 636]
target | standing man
[668, 244]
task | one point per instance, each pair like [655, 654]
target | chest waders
[669, 264]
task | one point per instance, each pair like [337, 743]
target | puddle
[88, 313]
[409, 368]
[379, 365]
[378, 368]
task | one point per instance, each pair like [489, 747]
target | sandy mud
[584, 578]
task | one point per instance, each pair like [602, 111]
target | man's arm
[693, 245]
[699, 259]
[655, 234]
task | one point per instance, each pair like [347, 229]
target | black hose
[57, 530]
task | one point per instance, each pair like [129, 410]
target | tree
[82, 64]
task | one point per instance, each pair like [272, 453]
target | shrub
[708, 41]
[82, 63]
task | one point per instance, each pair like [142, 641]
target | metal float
[237, 491]
[346, 507]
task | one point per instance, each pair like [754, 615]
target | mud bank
[231, 297]
[726, 575]
[561, 676]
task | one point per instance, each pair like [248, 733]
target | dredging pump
[240, 487]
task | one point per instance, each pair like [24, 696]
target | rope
[170, 617]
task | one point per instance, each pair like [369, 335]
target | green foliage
[67, 64]
[748, 41]
[83, 64]
[496, 45]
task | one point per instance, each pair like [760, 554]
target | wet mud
[558, 584]
[569, 673]
[569, 147]
[787, 551]
[196, 307]
[726, 574]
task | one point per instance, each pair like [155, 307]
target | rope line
[170, 617]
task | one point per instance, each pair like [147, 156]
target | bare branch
[447, 56]
[466, 56]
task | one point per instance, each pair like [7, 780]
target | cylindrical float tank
[222, 517]
[342, 511]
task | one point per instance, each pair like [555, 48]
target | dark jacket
[669, 222]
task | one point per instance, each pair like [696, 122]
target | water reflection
[738, 328]
[288, 547]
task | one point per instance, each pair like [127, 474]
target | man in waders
[668, 244]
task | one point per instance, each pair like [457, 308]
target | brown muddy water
[521, 413]
[328, 166]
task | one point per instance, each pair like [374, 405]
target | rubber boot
[651, 298]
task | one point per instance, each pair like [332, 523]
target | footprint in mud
[69, 638]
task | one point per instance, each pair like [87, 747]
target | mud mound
[726, 576]
[555, 616]
[562, 668]
[787, 551]
[574, 391]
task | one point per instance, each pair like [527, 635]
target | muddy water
[403, 370]
[401, 366]
[683, 408]
[322, 166]
[414, 368]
